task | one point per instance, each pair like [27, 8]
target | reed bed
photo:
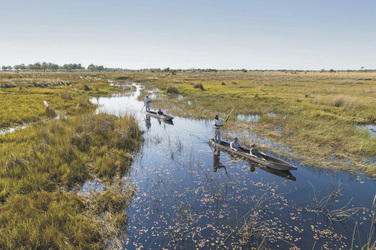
[318, 113]
[22, 94]
[42, 166]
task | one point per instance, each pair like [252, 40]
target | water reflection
[371, 128]
[186, 200]
[247, 118]
[147, 122]
[283, 174]
[217, 161]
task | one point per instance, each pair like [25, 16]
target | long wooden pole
[230, 114]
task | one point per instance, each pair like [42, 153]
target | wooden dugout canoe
[163, 117]
[270, 161]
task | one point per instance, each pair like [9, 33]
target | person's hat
[235, 138]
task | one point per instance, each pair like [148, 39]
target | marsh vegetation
[318, 114]
[45, 164]
[165, 187]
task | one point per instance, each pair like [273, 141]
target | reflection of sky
[371, 128]
[177, 188]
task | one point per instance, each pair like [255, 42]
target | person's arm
[232, 147]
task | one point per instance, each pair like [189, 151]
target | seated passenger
[235, 145]
[160, 112]
[256, 153]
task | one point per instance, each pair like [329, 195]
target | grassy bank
[45, 165]
[23, 95]
[318, 114]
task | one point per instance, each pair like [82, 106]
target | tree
[54, 67]
[44, 66]
[4, 68]
[37, 66]
[91, 67]
[23, 67]
[68, 67]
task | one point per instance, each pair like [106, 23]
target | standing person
[256, 153]
[235, 145]
[217, 128]
[147, 103]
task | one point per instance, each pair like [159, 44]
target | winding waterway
[189, 196]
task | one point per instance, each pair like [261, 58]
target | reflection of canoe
[284, 174]
[163, 117]
[170, 122]
[270, 161]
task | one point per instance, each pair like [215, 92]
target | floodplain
[122, 180]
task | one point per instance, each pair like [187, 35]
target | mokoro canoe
[270, 161]
[163, 117]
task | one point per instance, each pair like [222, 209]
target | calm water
[189, 196]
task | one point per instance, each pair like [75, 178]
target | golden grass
[318, 112]
[44, 159]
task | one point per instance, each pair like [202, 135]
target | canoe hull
[163, 117]
[270, 162]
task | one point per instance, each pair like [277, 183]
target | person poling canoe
[217, 126]
[147, 103]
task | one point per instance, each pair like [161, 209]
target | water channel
[189, 196]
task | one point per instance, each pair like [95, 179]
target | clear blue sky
[135, 34]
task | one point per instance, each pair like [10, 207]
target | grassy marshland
[44, 161]
[22, 95]
[45, 164]
[318, 112]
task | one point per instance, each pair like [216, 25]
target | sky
[201, 34]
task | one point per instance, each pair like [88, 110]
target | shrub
[199, 86]
[172, 90]
[87, 87]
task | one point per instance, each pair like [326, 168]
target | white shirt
[147, 100]
[218, 123]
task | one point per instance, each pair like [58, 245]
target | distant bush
[87, 87]
[344, 101]
[50, 112]
[172, 90]
[199, 86]
[223, 83]
[21, 85]
[122, 78]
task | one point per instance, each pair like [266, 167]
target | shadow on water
[190, 196]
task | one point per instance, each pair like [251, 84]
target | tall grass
[43, 160]
[317, 112]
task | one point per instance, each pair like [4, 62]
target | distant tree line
[55, 67]
[78, 67]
